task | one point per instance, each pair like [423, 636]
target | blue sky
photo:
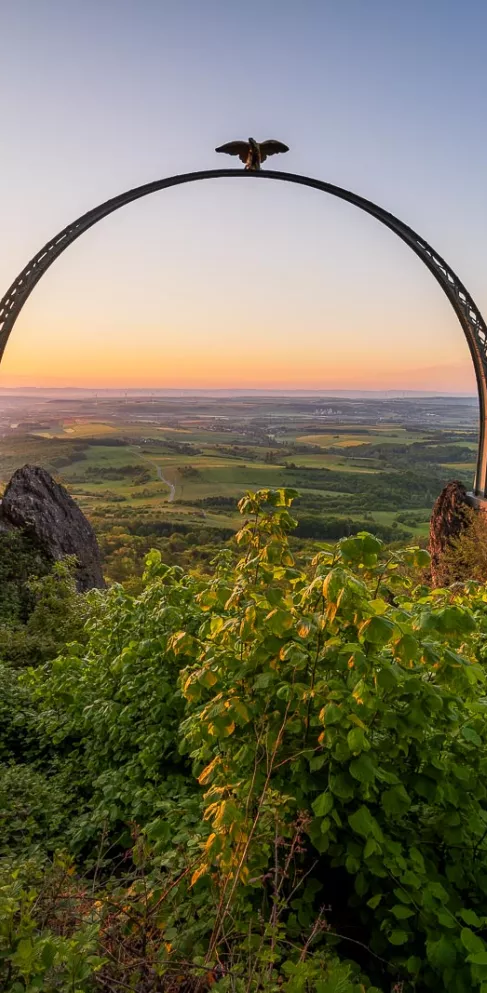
[224, 285]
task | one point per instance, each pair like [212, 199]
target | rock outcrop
[42, 508]
[452, 513]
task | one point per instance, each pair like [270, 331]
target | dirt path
[167, 482]
[172, 488]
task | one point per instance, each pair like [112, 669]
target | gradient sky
[227, 284]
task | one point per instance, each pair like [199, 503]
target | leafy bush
[275, 777]
[112, 708]
[57, 615]
[20, 560]
[32, 807]
[33, 956]
[325, 700]
[14, 714]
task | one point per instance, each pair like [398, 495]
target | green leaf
[377, 630]
[371, 847]
[351, 549]
[441, 953]
[387, 677]
[374, 901]
[323, 804]
[362, 822]
[422, 558]
[398, 937]
[470, 735]
[342, 786]
[334, 583]
[321, 842]
[370, 544]
[363, 769]
[363, 547]
[158, 830]
[24, 950]
[395, 801]
[470, 917]
[446, 920]
[407, 648]
[401, 912]
[181, 642]
[337, 981]
[413, 964]
[279, 621]
[331, 714]
[479, 958]
[356, 740]
[455, 619]
[471, 941]
[48, 954]
[284, 692]
[239, 707]
[361, 884]
[317, 762]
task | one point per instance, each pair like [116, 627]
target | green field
[182, 463]
[169, 471]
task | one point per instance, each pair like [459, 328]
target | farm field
[174, 468]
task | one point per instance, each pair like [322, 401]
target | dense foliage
[272, 778]
[20, 560]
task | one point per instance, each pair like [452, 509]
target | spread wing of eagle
[240, 148]
[243, 148]
[271, 147]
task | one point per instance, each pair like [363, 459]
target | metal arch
[468, 314]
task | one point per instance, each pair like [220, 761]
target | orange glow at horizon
[322, 303]
[178, 365]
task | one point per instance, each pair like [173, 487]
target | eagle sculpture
[253, 152]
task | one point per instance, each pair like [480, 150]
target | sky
[222, 284]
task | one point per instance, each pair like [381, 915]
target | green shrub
[15, 714]
[112, 708]
[34, 956]
[57, 615]
[21, 559]
[318, 698]
[32, 810]
[290, 762]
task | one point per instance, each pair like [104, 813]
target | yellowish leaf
[207, 771]
[198, 873]
[356, 720]
[241, 709]
[209, 841]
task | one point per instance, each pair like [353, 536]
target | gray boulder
[42, 508]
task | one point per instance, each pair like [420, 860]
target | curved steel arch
[468, 314]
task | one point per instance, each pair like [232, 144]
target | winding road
[167, 482]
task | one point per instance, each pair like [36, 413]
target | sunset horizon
[249, 284]
[421, 384]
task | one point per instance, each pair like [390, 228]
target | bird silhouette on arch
[253, 153]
